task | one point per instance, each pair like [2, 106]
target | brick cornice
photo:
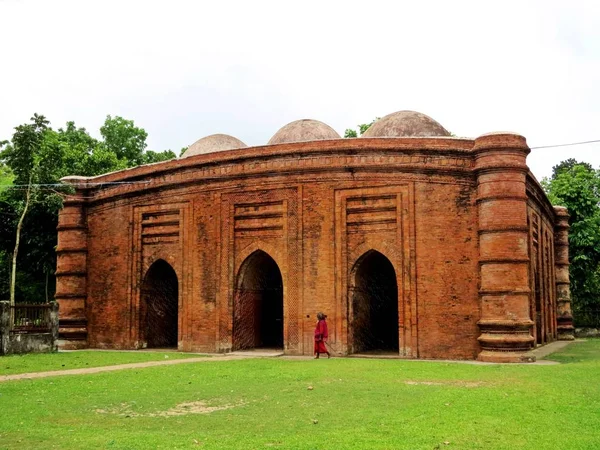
[452, 162]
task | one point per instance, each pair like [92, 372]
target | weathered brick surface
[451, 215]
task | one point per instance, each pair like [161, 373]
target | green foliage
[124, 139]
[4, 272]
[577, 186]
[82, 154]
[22, 156]
[46, 155]
[567, 165]
[128, 144]
[154, 157]
[351, 133]
[25, 159]
[354, 404]
[6, 175]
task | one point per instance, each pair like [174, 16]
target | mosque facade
[414, 243]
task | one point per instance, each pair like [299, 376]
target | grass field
[354, 404]
[14, 364]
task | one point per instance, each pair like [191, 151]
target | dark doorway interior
[160, 303]
[374, 296]
[258, 304]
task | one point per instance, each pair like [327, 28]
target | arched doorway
[373, 293]
[258, 304]
[160, 306]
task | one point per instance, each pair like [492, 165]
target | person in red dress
[321, 335]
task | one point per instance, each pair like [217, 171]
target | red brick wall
[447, 257]
[109, 277]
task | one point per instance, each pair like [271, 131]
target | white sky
[183, 70]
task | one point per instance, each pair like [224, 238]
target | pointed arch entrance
[258, 304]
[373, 308]
[160, 306]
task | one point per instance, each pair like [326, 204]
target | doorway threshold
[266, 352]
[377, 355]
[159, 349]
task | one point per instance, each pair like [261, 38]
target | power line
[72, 184]
[566, 145]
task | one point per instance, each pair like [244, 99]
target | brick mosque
[413, 242]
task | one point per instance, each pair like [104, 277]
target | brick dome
[406, 123]
[304, 130]
[213, 143]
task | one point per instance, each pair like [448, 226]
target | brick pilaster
[564, 318]
[71, 272]
[505, 321]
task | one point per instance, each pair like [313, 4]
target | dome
[406, 123]
[304, 130]
[213, 143]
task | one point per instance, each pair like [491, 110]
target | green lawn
[354, 404]
[43, 362]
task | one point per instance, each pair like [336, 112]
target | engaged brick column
[71, 271]
[564, 318]
[505, 321]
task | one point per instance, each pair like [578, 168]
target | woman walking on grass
[321, 335]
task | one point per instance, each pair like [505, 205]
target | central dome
[213, 143]
[406, 123]
[303, 130]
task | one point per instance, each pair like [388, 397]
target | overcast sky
[183, 70]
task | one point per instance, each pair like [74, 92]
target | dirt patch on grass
[182, 409]
[467, 384]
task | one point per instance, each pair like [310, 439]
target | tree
[128, 142]
[6, 216]
[23, 157]
[124, 139]
[154, 157]
[351, 133]
[576, 185]
[64, 152]
[567, 165]
[70, 150]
